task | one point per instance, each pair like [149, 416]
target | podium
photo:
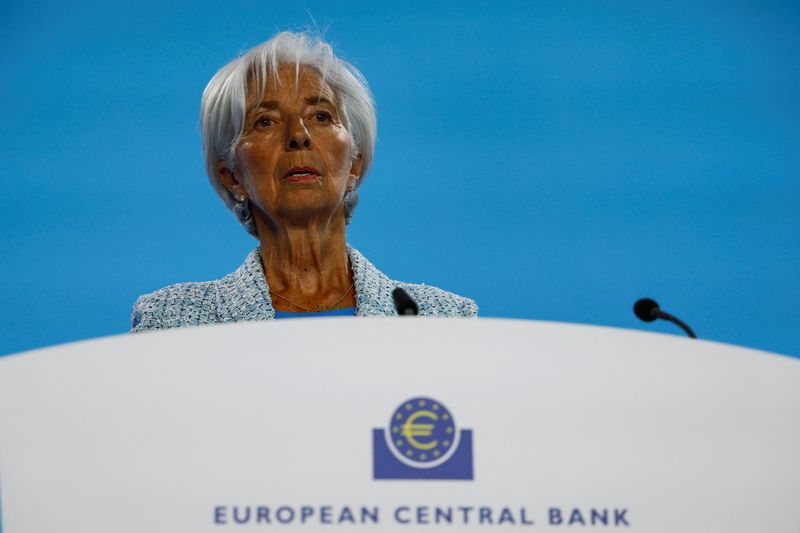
[382, 424]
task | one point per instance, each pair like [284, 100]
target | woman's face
[294, 160]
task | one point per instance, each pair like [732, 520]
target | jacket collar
[244, 294]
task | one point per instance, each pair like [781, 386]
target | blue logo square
[422, 442]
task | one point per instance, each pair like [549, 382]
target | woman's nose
[297, 137]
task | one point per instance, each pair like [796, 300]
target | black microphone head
[646, 309]
[403, 303]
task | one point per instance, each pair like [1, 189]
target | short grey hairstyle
[224, 106]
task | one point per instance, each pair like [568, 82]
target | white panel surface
[159, 431]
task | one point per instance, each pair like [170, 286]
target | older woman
[288, 135]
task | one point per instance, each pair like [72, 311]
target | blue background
[553, 160]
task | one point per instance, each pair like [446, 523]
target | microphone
[648, 310]
[403, 303]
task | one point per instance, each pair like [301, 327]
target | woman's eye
[264, 122]
[322, 116]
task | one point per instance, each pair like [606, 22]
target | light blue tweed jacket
[244, 295]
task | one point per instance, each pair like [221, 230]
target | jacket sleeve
[177, 306]
[147, 314]
[469, 308]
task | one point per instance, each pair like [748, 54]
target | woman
[288, 136]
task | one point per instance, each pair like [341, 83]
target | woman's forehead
[291, 82]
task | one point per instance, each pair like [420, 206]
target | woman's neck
[306, 265]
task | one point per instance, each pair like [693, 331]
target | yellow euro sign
[411, 430]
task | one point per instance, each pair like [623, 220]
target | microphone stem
[675, 320]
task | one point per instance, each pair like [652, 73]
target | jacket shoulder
[179, 305]
[433, 301]
[374, 290]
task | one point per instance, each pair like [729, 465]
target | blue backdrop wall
[553, 160]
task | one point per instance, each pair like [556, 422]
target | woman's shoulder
[178, 305]
[433, 301]
[375, 288]
[240, 295]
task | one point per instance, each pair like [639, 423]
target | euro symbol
[411, 430]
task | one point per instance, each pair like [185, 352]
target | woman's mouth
[300, 174]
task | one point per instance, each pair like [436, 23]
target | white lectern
[399, 425]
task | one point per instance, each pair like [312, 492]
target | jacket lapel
[244, 294]
[373, 287]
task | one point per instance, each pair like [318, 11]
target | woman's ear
[228, 179]
[355, 172]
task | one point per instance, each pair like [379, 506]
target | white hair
[224, 106]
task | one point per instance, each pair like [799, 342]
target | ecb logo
[422, 442]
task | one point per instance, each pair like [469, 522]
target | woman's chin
[303, 214]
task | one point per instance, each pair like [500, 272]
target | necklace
[319, 309]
